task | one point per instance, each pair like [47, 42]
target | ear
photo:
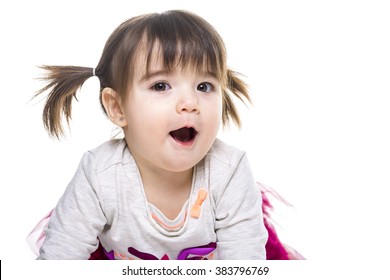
[112, 105]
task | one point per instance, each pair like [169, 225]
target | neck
[166, 181]
[167, 190]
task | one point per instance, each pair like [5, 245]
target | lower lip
[187, 144]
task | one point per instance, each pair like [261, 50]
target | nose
[188, 102]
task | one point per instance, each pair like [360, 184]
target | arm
[241, 233]
[78, 217]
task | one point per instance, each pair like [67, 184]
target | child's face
[172, 117]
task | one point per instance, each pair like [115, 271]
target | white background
[317, 132]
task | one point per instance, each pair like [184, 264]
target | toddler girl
[169, 189]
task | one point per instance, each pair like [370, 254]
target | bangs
[183, 40]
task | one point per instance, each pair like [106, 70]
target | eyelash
[166, 86]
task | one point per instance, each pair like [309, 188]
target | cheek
[213, 116]
[216, 109]
[144, 117]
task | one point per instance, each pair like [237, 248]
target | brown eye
[205, 87]
[161, 86]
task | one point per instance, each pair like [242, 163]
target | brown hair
[183, 38]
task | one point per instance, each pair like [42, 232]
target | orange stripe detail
[165, 225]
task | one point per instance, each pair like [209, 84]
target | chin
[179, 169]
[181, 166]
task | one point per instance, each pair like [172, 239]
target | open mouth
[184, 134]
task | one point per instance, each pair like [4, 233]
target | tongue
[184, 134]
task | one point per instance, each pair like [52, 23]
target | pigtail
[63, 83]
[239, 89]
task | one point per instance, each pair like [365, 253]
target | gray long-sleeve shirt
[105, 202]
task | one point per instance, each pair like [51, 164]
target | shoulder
[108, 154]
[230, 174]
[224, 154]
[224, 160]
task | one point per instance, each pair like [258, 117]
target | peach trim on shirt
[167, 226]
